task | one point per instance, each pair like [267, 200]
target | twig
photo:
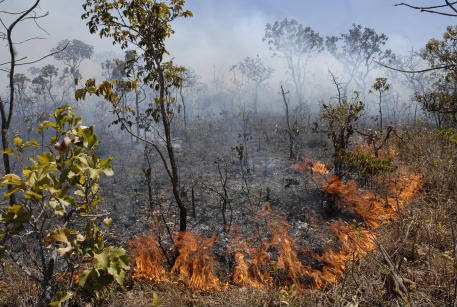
[394, 272]
[43, 57]
[432, 9]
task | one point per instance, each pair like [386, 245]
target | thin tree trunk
[137, 110]
[171, 154]
[380, 111]
[256, 98]
[289, 129]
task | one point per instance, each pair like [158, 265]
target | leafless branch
[36, 60]
[11, 13]
[338, 86]
[126, 127]
[433, 9]
[21, 59]
[395, 273]
[38, 25]
[417, 71]
[451, 5]
[35, 17]
[29, 39]
[425, 7]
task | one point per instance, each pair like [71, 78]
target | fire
[353, 241]
[150, 262]
[272, 258]
[195, 262]
[274, 262]
[374, 208]
[311, 166]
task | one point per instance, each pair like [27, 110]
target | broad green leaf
[105, 165]
[155, 299]
[108, 222]
[115, 261]
[11, 179]
[32, 195]
[46, 124]
[31, 143]
[15, 215]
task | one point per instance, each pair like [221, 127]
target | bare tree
[291, 130]
[380, 86]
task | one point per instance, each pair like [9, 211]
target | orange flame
[311, 166]
[272, 259]
[273, 262]
[150, 262]
[195, 262]
[375, 209]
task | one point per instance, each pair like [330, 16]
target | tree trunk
[256, 97]
[380, 111]
[289, 128]
[137, 110]
[171, 154]
[6, 158]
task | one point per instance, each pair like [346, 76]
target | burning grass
[268, 263]
[272, 258]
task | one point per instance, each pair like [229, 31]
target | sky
[223, 32]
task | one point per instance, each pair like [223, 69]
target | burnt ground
[293, 196]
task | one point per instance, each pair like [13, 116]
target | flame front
[272, 258]
[150, 262]
[195, 262]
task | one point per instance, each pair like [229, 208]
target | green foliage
[448, 134]
[61, 186]
[110, 265]
[381, 85]
[441, 98]
[365, 164]
[359, 45]
[340, 122]
[144, 25]
[288, 295]
[61, 298]
[71, 53]
[288, 36]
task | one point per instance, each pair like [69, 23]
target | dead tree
[290, 129]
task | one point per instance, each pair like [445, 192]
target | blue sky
[223, 32]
